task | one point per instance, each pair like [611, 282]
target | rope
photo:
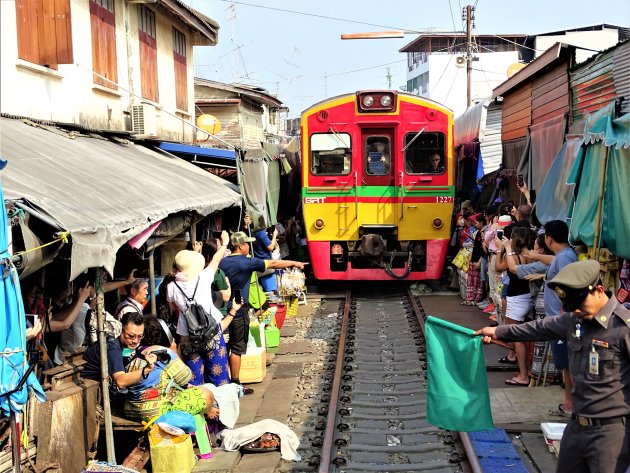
[63, 237]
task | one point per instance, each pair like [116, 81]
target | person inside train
[378, 158]
[434, 165]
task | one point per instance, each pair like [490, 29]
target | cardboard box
[253, 365]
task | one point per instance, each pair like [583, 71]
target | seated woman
[166, 387]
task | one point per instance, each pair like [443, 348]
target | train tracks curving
[376, 416]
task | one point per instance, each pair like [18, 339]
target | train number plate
[314, 200]
[444, 199]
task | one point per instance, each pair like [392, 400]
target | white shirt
[203, 296]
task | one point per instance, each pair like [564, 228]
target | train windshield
[331, 154]
[425, 153]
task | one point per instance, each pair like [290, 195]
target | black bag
[201, 326]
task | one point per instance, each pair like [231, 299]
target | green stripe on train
[382, 191]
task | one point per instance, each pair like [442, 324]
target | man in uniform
[597, 330]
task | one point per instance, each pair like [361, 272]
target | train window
[331, 153]
[377, 155]
[425, 153]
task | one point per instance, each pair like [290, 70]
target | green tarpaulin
[603, 134]
[457, 391]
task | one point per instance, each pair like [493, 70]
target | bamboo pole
[600, 205]
[102, 343]
[152, 283]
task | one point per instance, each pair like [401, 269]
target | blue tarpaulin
[13, 365]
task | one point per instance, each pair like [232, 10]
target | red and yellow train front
[377, 186]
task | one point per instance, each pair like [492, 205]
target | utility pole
[389, 79]
[469, 54]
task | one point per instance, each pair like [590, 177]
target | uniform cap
[239, 238]
[190, 263]
[573, 283]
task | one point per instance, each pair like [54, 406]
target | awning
[209, 157]
[103, 192]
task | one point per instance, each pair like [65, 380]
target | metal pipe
[102, 344]
[15, 443]
[470, 453]
[36, 213]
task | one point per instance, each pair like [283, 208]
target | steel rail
[471, 456]
[328, 443]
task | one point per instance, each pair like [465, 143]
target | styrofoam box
[552, 430]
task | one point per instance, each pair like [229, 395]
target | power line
[295, 12]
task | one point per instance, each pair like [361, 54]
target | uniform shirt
[239, 268]
[603, 395]
[553, 306]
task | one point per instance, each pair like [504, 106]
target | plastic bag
[179, 419]
[170, 454]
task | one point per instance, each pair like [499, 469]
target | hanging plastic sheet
[555, 194]
[546, 140]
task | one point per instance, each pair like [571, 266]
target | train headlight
[437, 223]
[368, 101]
[319, 224]
[386, 100]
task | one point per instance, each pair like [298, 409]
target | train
[377, 186]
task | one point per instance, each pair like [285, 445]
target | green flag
[457, 391]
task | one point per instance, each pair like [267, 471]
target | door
[377, 182]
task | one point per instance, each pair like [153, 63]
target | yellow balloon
[209, 123]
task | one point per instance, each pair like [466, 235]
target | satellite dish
[514, 68]
[209, 123]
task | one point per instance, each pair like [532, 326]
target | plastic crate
[502, 465]
[495, 450]
[496, 435]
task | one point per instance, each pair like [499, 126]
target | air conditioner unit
[460, 61]
[143, 120]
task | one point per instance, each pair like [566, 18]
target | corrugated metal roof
[592, 85]
[490, 140]
[621, 74]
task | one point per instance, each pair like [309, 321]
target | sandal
[515, 382]
[560, 411]
[506, 360]
[467, 303]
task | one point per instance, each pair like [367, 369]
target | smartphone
[519, 180]
[237, 296]
[500, 234]
[532, 196]
[31, 318]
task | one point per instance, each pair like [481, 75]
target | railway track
[376, 417]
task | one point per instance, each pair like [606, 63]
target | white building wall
[598, 40]
[69, 94]
[447, 79]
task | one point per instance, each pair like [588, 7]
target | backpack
[201, 326]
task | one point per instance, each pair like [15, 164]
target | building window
[103, 22]
[148, 53]
[44, 33]
[181, 85]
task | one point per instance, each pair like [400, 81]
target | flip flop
[515, 382]
[507, 361]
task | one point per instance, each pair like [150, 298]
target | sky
[290, 49]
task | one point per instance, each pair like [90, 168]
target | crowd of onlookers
[505, 256]
[155, 364]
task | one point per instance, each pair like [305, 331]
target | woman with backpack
[200, 324]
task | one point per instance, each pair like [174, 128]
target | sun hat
[240, 238]
[504, 220]
[190, 263]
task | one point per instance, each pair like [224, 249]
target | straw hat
[190, 263]
[504, 220]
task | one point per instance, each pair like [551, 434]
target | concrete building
[436, 66]
[108, 65]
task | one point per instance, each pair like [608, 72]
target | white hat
[190, 263]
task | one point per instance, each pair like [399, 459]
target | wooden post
[102, 343]
[193, 234]
[600, 204]
[152, 283]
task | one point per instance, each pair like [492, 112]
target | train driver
[378, 158]
[434, 165]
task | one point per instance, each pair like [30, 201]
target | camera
[162, 355]
[499, 234]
